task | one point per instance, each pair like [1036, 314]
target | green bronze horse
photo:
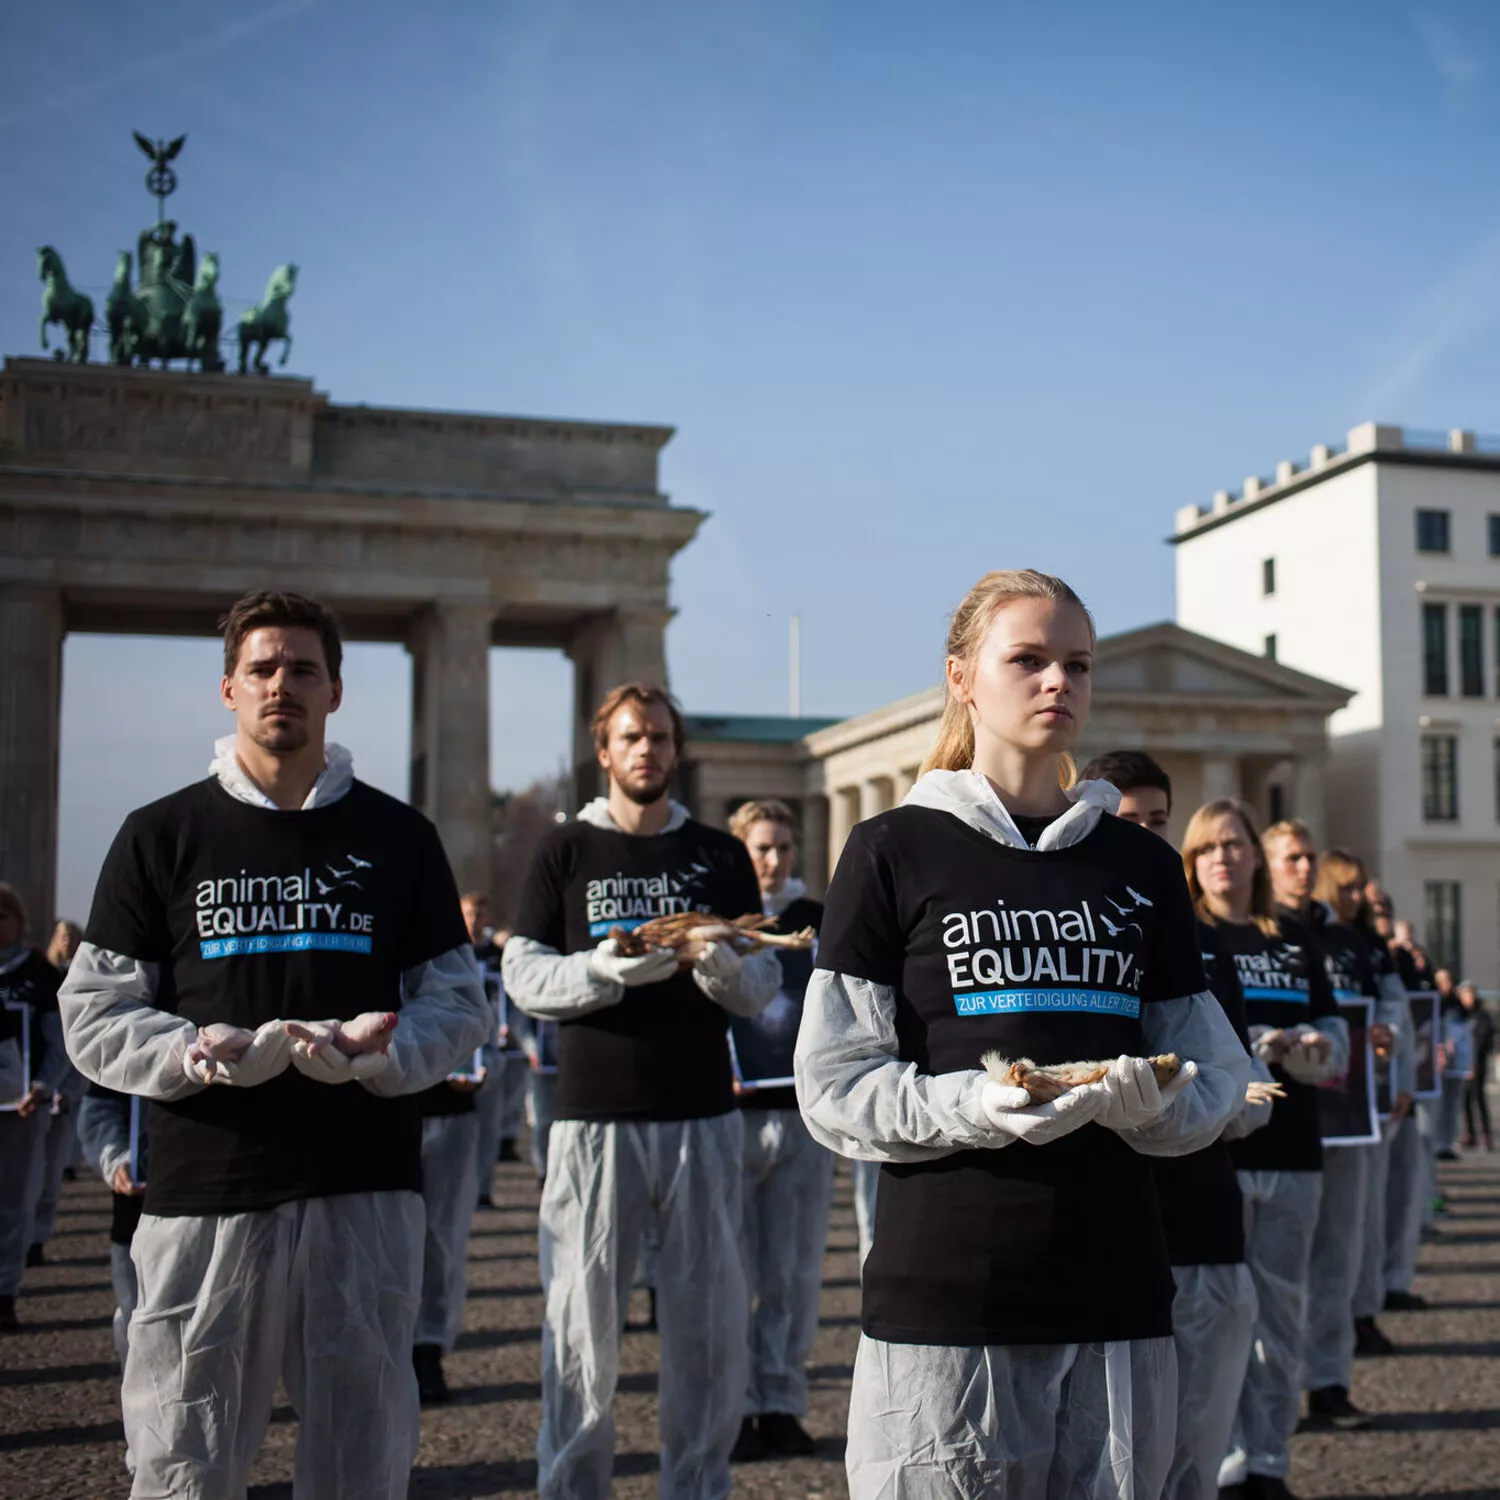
[260, 325]
[61, 304]
[202, 316]
[124, 315]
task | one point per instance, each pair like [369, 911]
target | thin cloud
[145, 67]
[1456, 309]
[1452, 60]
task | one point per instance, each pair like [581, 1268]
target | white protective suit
[1394, 1008]
[104, 1132]
[1281, 1217]
[448, 1144]
[606, 1182]
[59, 1143]
[788, 1191]
[320, 1293]
[866, 1187]
[1353, 1182]
[1213, 1320]
[23, 1147]
[1089, 1421]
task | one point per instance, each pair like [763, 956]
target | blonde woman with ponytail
[1017, 1313]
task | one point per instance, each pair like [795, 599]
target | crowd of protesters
[295, 1053]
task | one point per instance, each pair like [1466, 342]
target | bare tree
[517, 822]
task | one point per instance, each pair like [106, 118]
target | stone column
[901, 783]
[626, 645]
[1308, 804]
[714, 811]
[843, 814]
[1221, 777]
[816, 870]
[874, 796]
[31, 635]
[450, 732]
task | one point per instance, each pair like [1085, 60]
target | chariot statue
[173, 311]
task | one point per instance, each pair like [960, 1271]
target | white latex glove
[1010, 1110]
[1306, 1060]
[719, 961]
[608, 963]
[1134, 1098]
[342, 1051]
[212, 1053]
[242, 1065]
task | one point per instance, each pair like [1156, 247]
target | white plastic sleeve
[445, 1015]
[1197, 1030]
[858, 1098]
[553, 986]
[115, 1034]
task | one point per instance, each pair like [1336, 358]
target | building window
[1471, 650]
[1271, 647]
[1495, 536]
[1443, 927]
[1432, 531]
[1435, 650]
[1440, 778]
[1268, 571]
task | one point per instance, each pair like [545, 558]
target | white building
[1221, 721]
[1377, 565]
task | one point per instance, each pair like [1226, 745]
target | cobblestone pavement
[1438, 1401]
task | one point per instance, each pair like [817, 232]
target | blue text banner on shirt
[1003, 1002]
[1281, 997]
[289, 942]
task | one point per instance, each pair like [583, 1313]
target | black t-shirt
[1285, 984]
[1354, 958]
[1202, 1213]
[31, 987]
[257, 915]
[1052, 956]
[662, 1053]
[767, 1042]
[1416, 974]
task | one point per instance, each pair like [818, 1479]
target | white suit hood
[333, 781]
[793, 890]
[969, 796]
[596, 814]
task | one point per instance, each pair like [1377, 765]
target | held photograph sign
[1426, 1006]
[15, 1025]
[1346, 1105]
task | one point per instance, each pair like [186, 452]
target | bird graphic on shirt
[341, 878]
[1136, 896]
[360, 864]
[1125, 912]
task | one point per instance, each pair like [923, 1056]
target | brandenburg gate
[145, 501]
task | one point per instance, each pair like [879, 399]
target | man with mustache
[282, 1229]
[646, 1132]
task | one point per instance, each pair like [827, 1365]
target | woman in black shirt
[1017, 1301]
[1295, 1028]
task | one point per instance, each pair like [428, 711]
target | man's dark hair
[271, 607]
[1129, 770]
[643, 695]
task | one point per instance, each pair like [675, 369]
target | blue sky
[925, 289]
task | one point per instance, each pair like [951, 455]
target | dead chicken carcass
[688, 933]
[1043, 1085]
